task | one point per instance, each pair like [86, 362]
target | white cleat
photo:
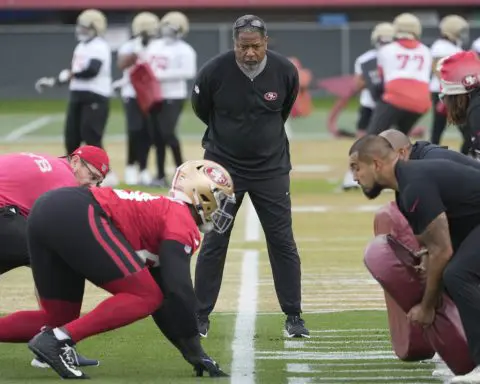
[131, 175]
[110, 180]
[349, 182]
[472, 377]
[145, 178]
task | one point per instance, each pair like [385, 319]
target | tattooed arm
[436, 238]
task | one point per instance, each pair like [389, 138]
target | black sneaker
[58, 354]
[209, 365]
[295, 327]
[203, 327]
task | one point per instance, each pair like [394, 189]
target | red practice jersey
[146, 220]
[24, 177]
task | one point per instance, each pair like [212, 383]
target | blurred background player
[405, 66]
[369, 83]
[173, 61]
[145, 27]
[453, 34]
[89, 79]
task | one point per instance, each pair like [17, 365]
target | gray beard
[252, 71]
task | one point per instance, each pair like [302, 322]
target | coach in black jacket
[418, 151]
[244, 96]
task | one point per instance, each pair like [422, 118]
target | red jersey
[24, 177]
[146, 220]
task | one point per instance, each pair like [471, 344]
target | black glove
[209, 365]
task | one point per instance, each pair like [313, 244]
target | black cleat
[81, 361]
[203, 327]
[209, 365]
[295, 327]
[58, 354]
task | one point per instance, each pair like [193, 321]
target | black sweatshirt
[245, 118]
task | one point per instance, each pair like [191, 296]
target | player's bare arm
[436, 239]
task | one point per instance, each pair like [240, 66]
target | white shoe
[443, 372]
[131, 175]
[37, 363]
[145, 178]
[111, 180]
[472, 377]
[349, 182]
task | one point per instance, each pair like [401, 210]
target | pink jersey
[24, 177]
[146, 220]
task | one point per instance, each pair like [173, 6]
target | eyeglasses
[95, 176]
[246, 22]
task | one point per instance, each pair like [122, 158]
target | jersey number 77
[411, 61]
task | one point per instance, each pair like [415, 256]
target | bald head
[397, 139]
[371, 146]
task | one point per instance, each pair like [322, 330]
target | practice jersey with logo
[366, 65]
[97, 49]
[406, 67]
[146, 220]
[25, 176]
[173, 62]
[127, 90]
[441, 48]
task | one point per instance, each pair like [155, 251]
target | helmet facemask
[84, 33]
[221, 219]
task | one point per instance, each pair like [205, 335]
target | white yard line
[30, 127]
[243, 359]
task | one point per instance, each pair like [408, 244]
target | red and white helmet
[459, 73]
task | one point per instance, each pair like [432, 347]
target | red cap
[95, 156]
[459, 73]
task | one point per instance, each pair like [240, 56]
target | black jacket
[245, 118]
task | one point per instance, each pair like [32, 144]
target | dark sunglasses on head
[247, 22]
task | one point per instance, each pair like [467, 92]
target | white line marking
[305, 355]
[317, 368]
[348, 330]
[243, 346]
[252, 223]
[288, 129]
[385, 379]
[25, 129]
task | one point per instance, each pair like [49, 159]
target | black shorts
[387, 116]
[71, 240]
[13, 237]
[364, 116]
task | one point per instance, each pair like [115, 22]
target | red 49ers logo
[217, 176]
[270, 96]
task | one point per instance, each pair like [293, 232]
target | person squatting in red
[24, 177]
[111, 237]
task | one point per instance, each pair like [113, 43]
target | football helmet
[146, 22]
[455, 28]
[407, 26]
[174, 25]
[208, 188]
[383, 33]
[90, 23]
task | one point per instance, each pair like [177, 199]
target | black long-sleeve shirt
[473, 121]
[244, 117]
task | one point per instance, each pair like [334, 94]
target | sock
[60, 335]
[20, 327]
[134, 298]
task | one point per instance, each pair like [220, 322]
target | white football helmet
[455, 28]
[146, 22]
[407, 26]
[174, 24]
[208, 188]
[90, 23]
[383, 33]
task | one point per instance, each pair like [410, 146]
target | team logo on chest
[270, 96]
[216, 175]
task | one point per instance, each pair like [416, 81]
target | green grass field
[343, 306]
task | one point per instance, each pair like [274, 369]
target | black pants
[461, 279]
[13, 237]
[70, 240]
[138, 134]
[387, 116]
[440, 123]
[364, 117]
[165, 119]
[271, 199]
[87, 117]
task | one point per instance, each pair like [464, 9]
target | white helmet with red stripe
[208, 188]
